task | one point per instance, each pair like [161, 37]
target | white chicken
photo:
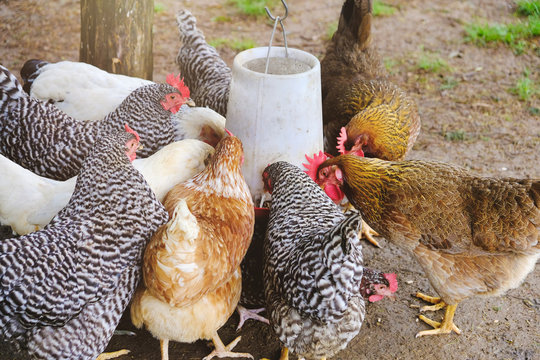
[28, 201]
[76, 87]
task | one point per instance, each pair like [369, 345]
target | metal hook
[284, 16]
[276, 20]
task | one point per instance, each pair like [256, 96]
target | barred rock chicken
[192, 278]
[63, 289]
[315, 283]
[43, 139]
[376, 116]
[28, 201]
[205, 73]
[472, 235]
[81, 90]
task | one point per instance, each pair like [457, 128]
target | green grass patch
[234, 44]
[158, 7]
[390, 64]
[525, 87]
[382, 9]
[515, 35]
[432, 62]
[221, 18]
[528, 8]
[331, 29]
[254, 7]
[456, 135]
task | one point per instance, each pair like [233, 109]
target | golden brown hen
[472, 235]
[192, 277]
[379, 118]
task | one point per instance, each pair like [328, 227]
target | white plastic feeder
[277, 115]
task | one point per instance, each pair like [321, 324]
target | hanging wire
[276, 20]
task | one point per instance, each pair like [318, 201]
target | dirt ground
[494, 133]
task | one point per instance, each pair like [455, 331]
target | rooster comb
[341, 139]
[313, 164]
[131, 131]
[178, 83]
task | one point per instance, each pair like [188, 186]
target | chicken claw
[225, 351]
[445, 327]
[368, 233]
[246, 314]
[112, 355]
[439, 304]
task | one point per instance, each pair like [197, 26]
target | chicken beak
[189, 102]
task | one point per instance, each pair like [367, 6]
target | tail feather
[30, 71]
[356, 16]
[10, 88]
[205, 73]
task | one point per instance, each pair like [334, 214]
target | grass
[254, 7]
[456, 135]
[525, 87]
[234, 44]
[449, 83]
[431, 62]
[514, 35]
[221, 18]
[158, 7]
[331, 29]
[382, 9]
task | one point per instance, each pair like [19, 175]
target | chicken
[378, 118]
[63, 289]
[81, 90]
[314, 278]
[205, 73]
[471, 235]
[28, 201]
[43, 139]
[192, 278]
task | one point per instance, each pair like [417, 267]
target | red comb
[178, 83]
[228, 132]
[341, 139]
[131, 131]
[392, 281]
[313, 164]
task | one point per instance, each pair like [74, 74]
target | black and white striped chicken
[205, 73]
[43, 139]
[63, 289]
[314, 278]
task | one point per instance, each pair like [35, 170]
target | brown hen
[472, 235]
[192, 278]
[379, 118]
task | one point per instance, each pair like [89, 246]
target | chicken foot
[447, 325]
[112, 355]
[367, 232]
[246, 314]
[225, 351]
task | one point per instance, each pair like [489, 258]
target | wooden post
[116, 36]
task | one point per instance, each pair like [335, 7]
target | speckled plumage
[43, 139]
[356, 92]
[63, 289]
[205, 73]
[312, 266]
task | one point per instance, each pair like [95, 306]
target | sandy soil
[501, 138]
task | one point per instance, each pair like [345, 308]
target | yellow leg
[439, 304]
[284, 354]
[368, 233]
[112, 355]
[164, 345]
[225, 351]
[445, 327]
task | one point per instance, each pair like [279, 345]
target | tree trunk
[116, 36]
